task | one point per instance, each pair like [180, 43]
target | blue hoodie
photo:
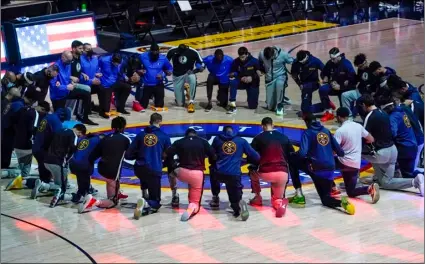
[89, 66]
[249, 67]
[340, 72]
[148, 147]
[229, 149]
[85, 146]
[50, 124]
[110, 73]
[218, 69]
[153, 68]
[307, 72]
[413, 94]
[416, 125]
[403, 134]
[58, 84]
[9, 119]
[318, 145]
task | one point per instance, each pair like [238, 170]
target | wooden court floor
[390, 231]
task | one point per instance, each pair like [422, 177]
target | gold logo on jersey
[323, 139]
[229, 147]
[150, 140]
[406, 121]
[83, 144]
[42, 125]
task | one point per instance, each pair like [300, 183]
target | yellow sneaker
[159, 109]
[348, 207]
[15, 184]
[191, 108]
[187, 90]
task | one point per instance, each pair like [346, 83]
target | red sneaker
[122, 196]
[137, 107]
[88, 203]
[332, 105]
[328, 116]
[281, 209]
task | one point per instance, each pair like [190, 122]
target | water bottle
[83, 7]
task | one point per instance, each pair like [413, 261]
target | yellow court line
[250, 34]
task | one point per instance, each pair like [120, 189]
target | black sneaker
[175, 202]
[208, 108]
[103, 115]
[89, 122]
[76, 198]
[58, 196]
[92, 190]
[215, 202]
[123, 112]
[231, 110]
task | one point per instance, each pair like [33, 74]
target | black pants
[158, 93]
[151, 181]
[233, 186]
[7, 147]
[122, 91]
[322, 182]
[406, 166]
[350, 176]
[83, 178]
[307, 95]
[252, 97]
[223, 90]
[45, 175]
[76, 94]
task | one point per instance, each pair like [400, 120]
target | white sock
[298, 192]
[191, 102]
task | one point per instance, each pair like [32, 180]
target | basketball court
[390, 231]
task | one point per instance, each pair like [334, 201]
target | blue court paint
[209, 131]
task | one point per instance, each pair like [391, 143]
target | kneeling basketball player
[275, 150]
[230, 148]
[111, 152]
[147, 149]
[191, 151]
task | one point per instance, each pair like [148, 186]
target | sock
[191, 102]
[298, 192]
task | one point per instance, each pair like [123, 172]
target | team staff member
[272, 61]
[184, 59]
[244, 74]
[229, 149]
[219, 67]
[62, 88]
[111, 151]
[155, 65]
[111, 75]
[147, 149]
[317, 160]
[349, 136]
[77, 76]
[132, 68]
[404, 137]
[275, 150]
[305, 72]
[338, 76]
[57, 158]
[42, 81]
[7, 82]
[385, 153]
[81, 166]
[192, 151]
[90, 67]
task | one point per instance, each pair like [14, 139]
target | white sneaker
[188, 213]
[141, 203]
[88, 204]
[418, 182]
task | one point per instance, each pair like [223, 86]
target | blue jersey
[148, 148]
[403, 134]
[318, 145]
[229, 150]
[85, 146]
[307, 72]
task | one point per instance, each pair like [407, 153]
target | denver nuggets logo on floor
[83, 144]
[209, 131]
[322, 138]
[229, 147]
[150, 140]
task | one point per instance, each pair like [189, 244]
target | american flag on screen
[3, 50]
[53, 38]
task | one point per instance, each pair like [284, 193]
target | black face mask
[89, 53]
[154, 56]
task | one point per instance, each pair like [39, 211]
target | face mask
[10, 84]
[154, 56]
[90, 53]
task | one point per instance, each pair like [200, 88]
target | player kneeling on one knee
[315, 158]
[274, 149]
[111, 152]
[230, 148]
[191, 151]
[147, 149]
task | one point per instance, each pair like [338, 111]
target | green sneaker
[348, 207]
[297, 201]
